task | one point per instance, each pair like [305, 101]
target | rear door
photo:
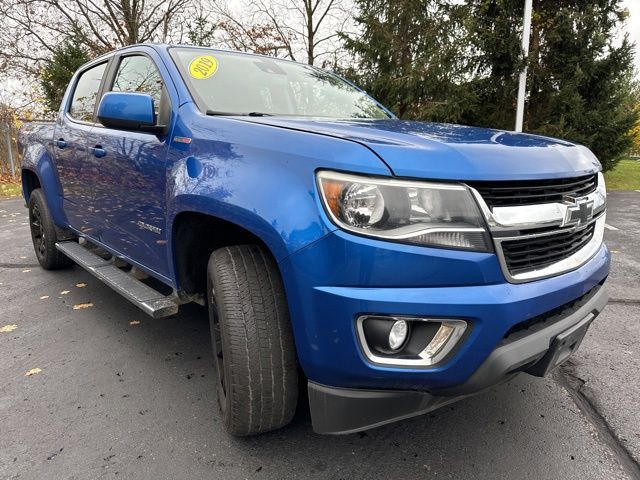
[131, 187]
[75, 170]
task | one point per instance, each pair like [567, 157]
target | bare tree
[32, 31]
[301, 30]
[32, 28]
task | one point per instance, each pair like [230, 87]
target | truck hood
[453, 152]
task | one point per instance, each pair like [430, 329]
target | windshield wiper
[214, 113]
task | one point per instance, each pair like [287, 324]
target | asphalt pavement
[606, 369]
[115, 394]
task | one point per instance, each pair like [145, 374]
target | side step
[144, 297]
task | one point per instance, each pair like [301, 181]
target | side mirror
[127, 111]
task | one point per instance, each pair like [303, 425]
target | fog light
[398, 334]
[443, 336]
[409, 341]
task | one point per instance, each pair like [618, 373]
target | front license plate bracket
[562, 347]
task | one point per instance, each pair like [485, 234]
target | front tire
[44, 235]
[253, 347]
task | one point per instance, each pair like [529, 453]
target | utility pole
[522, 85]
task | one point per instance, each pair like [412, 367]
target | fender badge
[146, 226]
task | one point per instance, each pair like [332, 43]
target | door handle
[61, 143]
[98, 151]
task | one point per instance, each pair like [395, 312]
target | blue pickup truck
[382, 268]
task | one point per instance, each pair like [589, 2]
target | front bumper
[550, 343]
[340, 277]
[333, 281]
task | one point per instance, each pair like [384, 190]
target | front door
[130, 190]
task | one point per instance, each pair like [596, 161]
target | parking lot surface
[120, 395]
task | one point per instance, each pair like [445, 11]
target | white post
[522, 86]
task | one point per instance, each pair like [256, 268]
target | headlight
[433, 214]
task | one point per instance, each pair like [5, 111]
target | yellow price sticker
[203, 67]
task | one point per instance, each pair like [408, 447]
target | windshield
[238, 84]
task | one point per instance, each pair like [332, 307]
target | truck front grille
[536, 252]
[505, 194]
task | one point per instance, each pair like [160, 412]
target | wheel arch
[30, 181]
[38, 171]
[195, 234]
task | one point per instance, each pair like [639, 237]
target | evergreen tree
[449, 62]
[580, 78]
[58, 70]
[493, 61]
[200, 31]
[407, 55]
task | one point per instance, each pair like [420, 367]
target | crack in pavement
[573, 385]
[624, 300]
[19, 265]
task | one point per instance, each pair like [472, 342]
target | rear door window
[85, 94]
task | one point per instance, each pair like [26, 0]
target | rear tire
[44, 234]
[253, 347]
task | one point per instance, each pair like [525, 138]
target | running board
[141, 295]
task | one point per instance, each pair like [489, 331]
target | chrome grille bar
[534, 241]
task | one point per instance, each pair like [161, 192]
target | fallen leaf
[80, 306]
[81, 285]
[134, 322]
[33, 371]
[23, 257]
[26, 270]
[44, 297]
[10, 328]
[64, 292]
[615, 251]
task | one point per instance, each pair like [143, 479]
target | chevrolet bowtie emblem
[579, 213]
